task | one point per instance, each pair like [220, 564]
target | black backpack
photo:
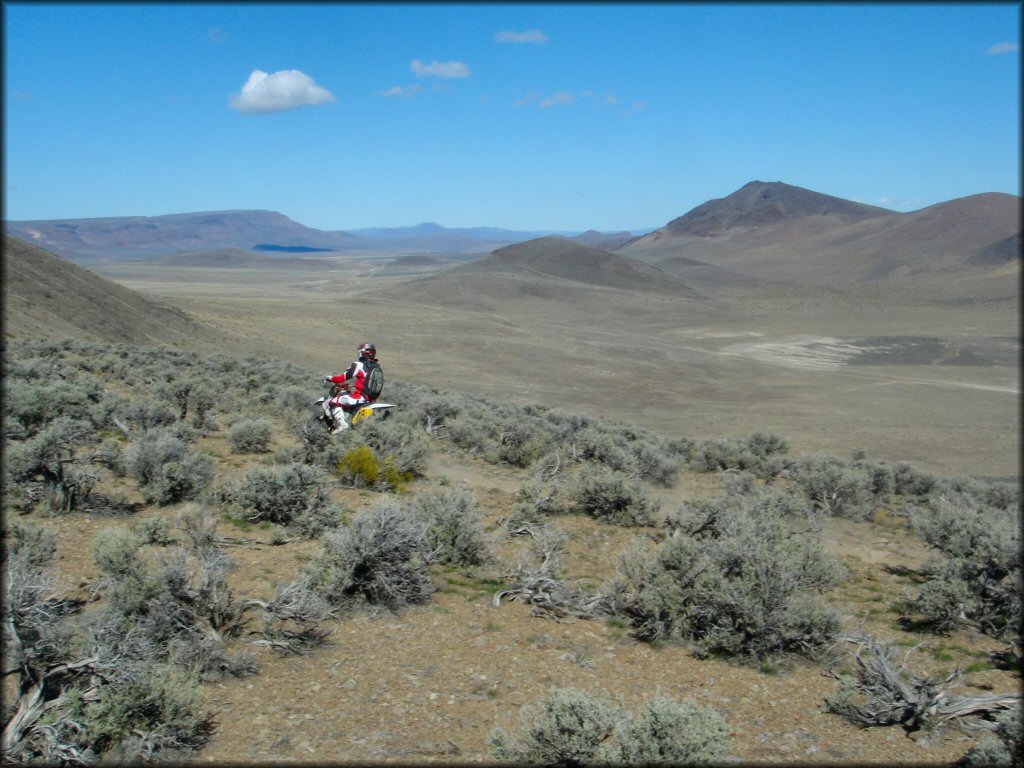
[374, 383]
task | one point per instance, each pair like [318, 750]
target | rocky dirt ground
[429, 684]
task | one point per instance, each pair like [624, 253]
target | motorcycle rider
[350, 385]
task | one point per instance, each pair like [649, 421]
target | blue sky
[524, 116]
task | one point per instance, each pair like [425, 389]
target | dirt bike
[361, 414]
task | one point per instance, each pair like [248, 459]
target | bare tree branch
[885, 693]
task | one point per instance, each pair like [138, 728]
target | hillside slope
[551, 277]
[563, 259]
[47, 296]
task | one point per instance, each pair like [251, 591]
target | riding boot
[340, 416]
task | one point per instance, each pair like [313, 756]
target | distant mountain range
[142, 237]
[429, 231]
[765, 232]
[765, 235]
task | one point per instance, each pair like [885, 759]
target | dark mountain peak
[760, 203]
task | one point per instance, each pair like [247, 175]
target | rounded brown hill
[559, 258]
[47, 296]
[760, 203]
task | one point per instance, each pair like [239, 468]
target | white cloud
[562, 97]
[288, 89]
[534, 36]
[589, 99]
[599, 100]
[402, 91]
[898, 202]
[529, 98]
[443, 69]
[1001, 48]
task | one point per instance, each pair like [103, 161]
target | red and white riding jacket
[355, 377]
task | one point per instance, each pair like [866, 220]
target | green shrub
[591, 445]
[146, 414]
[189, 394]
[153, 530]
[761, 455]
[400, 445]
[282, 497]
[604, 495]
[145, 710]
[673, 733]
[360, 468]
[572, 727]
[31, 543]
[976, 574]
[30, 406]
[566, 728]
[51, 455]
[433, 410]
[1004, 747]
[946, 597]
[110, 454]
[786, 502]
[454, 534]
[1002, 495]
[909, 481]
[518, 444]
[294, 399]
[125, 574]
[763, 446]
[836, 489]
[165, 468]
[654, 462]
[32, 606]
[731, 579]
[380, 557]
[250, 436]
[180, 480]
[174, 606]
[883, 481]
